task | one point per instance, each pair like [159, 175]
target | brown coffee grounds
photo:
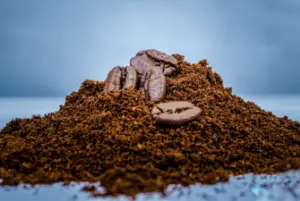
[112, 138]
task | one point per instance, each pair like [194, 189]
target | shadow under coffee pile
[112, 138]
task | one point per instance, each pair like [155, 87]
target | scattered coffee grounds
[111, 138]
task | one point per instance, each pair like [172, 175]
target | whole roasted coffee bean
[175, 112]
[161, 56]
[113, 80]
[131, 77]
[155, 85]
[168, 63]
[120, 77]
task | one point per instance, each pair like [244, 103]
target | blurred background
[47, 48]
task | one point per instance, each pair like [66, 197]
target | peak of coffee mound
[111, 138]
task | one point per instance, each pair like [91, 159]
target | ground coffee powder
[111, 137]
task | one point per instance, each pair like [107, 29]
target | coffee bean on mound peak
[168, 63]
[161, 56]
[120, 78]
[175, 112]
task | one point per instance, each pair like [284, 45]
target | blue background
[47, 48]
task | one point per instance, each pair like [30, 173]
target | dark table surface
[279, 187]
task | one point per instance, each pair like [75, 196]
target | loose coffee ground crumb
[112, 138]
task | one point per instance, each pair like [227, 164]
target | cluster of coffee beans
[147, 71]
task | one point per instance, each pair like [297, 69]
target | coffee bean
[113, 80]
[131, 77]
[160, 59]
[160, 56]
[155, 84]
[120, 77]
[175, 112]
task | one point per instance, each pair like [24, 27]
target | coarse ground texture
[112, 138]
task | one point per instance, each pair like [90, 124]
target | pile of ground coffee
[112, 138]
